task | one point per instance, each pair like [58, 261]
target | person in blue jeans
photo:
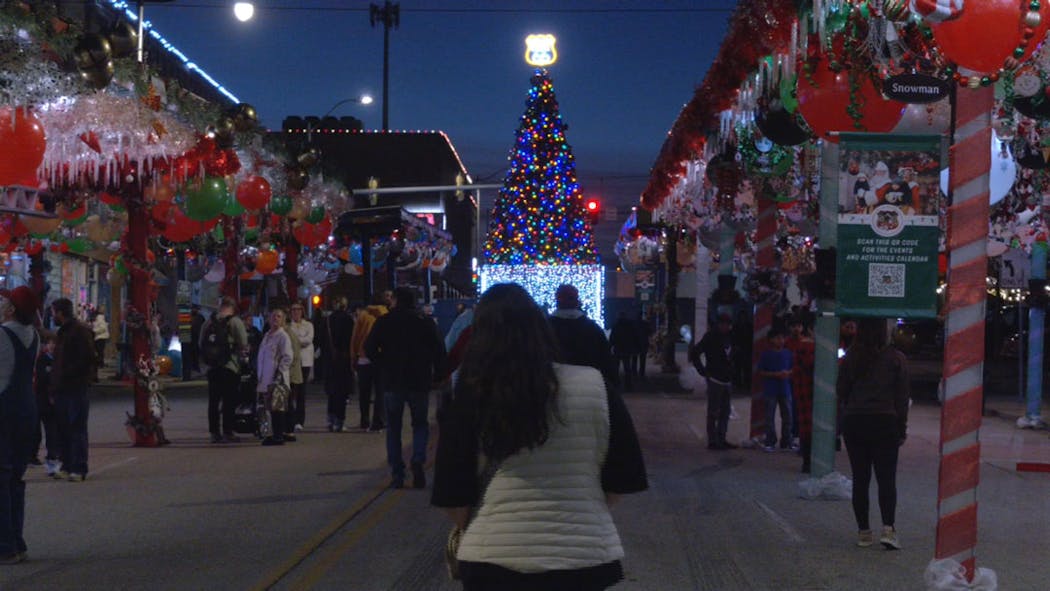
[774, 366]
[407, 349]
[18, 417]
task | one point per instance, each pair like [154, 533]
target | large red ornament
[987, 32]
[22, 144]
[311, 235]
[824, 99]
[254, 193]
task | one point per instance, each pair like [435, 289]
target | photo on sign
[908, 180]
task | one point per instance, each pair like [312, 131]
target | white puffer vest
[545, 509]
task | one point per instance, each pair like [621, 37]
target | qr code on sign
[886, 281]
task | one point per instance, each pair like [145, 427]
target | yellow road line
[280, 571]
[314, 574]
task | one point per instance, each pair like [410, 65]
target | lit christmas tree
[539, 216]
[539, 235]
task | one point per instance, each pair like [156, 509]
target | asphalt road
[316, 514]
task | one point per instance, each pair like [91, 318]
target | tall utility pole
[390, 16]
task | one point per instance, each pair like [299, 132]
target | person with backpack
[224, 341]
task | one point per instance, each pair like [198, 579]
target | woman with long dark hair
[873, 391]
[530, 454]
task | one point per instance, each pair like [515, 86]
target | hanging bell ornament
[123, 39]
[244, 117]
[99, 76]
[309, 158]
[92, 51]
[298, 178]
[225, 133]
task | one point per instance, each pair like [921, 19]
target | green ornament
[281, 204]
[316, 214]
[251, 236]
[218, 234]
[80, 245]
[206, 201]
[117, 207]
[837, 20]
[76, 221]
[233, 208]
[119, 266]
[40, 235]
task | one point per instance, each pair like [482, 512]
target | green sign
[888, 232]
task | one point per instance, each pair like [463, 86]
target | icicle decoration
[123, 128]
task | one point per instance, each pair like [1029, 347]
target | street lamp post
[361, 100]
[390, 15]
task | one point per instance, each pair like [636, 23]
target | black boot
[419, 476]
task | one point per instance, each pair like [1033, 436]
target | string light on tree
[539, 216]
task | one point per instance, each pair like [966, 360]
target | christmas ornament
[22, 146]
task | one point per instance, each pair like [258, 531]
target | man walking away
[338, 375]
[409, 352]
[581, 340]
[71, 374]
[713, 358]
[223, 346]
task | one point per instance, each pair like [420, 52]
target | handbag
[277, 394]
[455, 535]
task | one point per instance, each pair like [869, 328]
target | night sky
[625, 69]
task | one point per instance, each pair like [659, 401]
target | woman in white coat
[275, 363]
[555, 447]
[303, 329]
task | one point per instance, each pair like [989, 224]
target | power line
[293, 8]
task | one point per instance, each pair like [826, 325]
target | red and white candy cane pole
[960, 447]
[765, 259]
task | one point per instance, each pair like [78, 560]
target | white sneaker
[889, 538]
[52, 466]
[298, 428]
[865, 538]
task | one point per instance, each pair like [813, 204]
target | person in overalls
[18, 418]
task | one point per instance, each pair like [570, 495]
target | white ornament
[1027, 85]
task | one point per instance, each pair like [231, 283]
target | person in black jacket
[409, 352]
[713, 359]
[338, 377]
[71, 374]
[580, 340]
[625, 339]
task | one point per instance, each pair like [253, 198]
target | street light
[244, 11]
[361, 100]
[364, 99]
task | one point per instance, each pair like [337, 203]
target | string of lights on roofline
[132, 16]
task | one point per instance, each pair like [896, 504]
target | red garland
[756, 29]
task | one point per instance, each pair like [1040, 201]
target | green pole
[826, 365]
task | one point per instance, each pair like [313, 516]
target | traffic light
[594, 211]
